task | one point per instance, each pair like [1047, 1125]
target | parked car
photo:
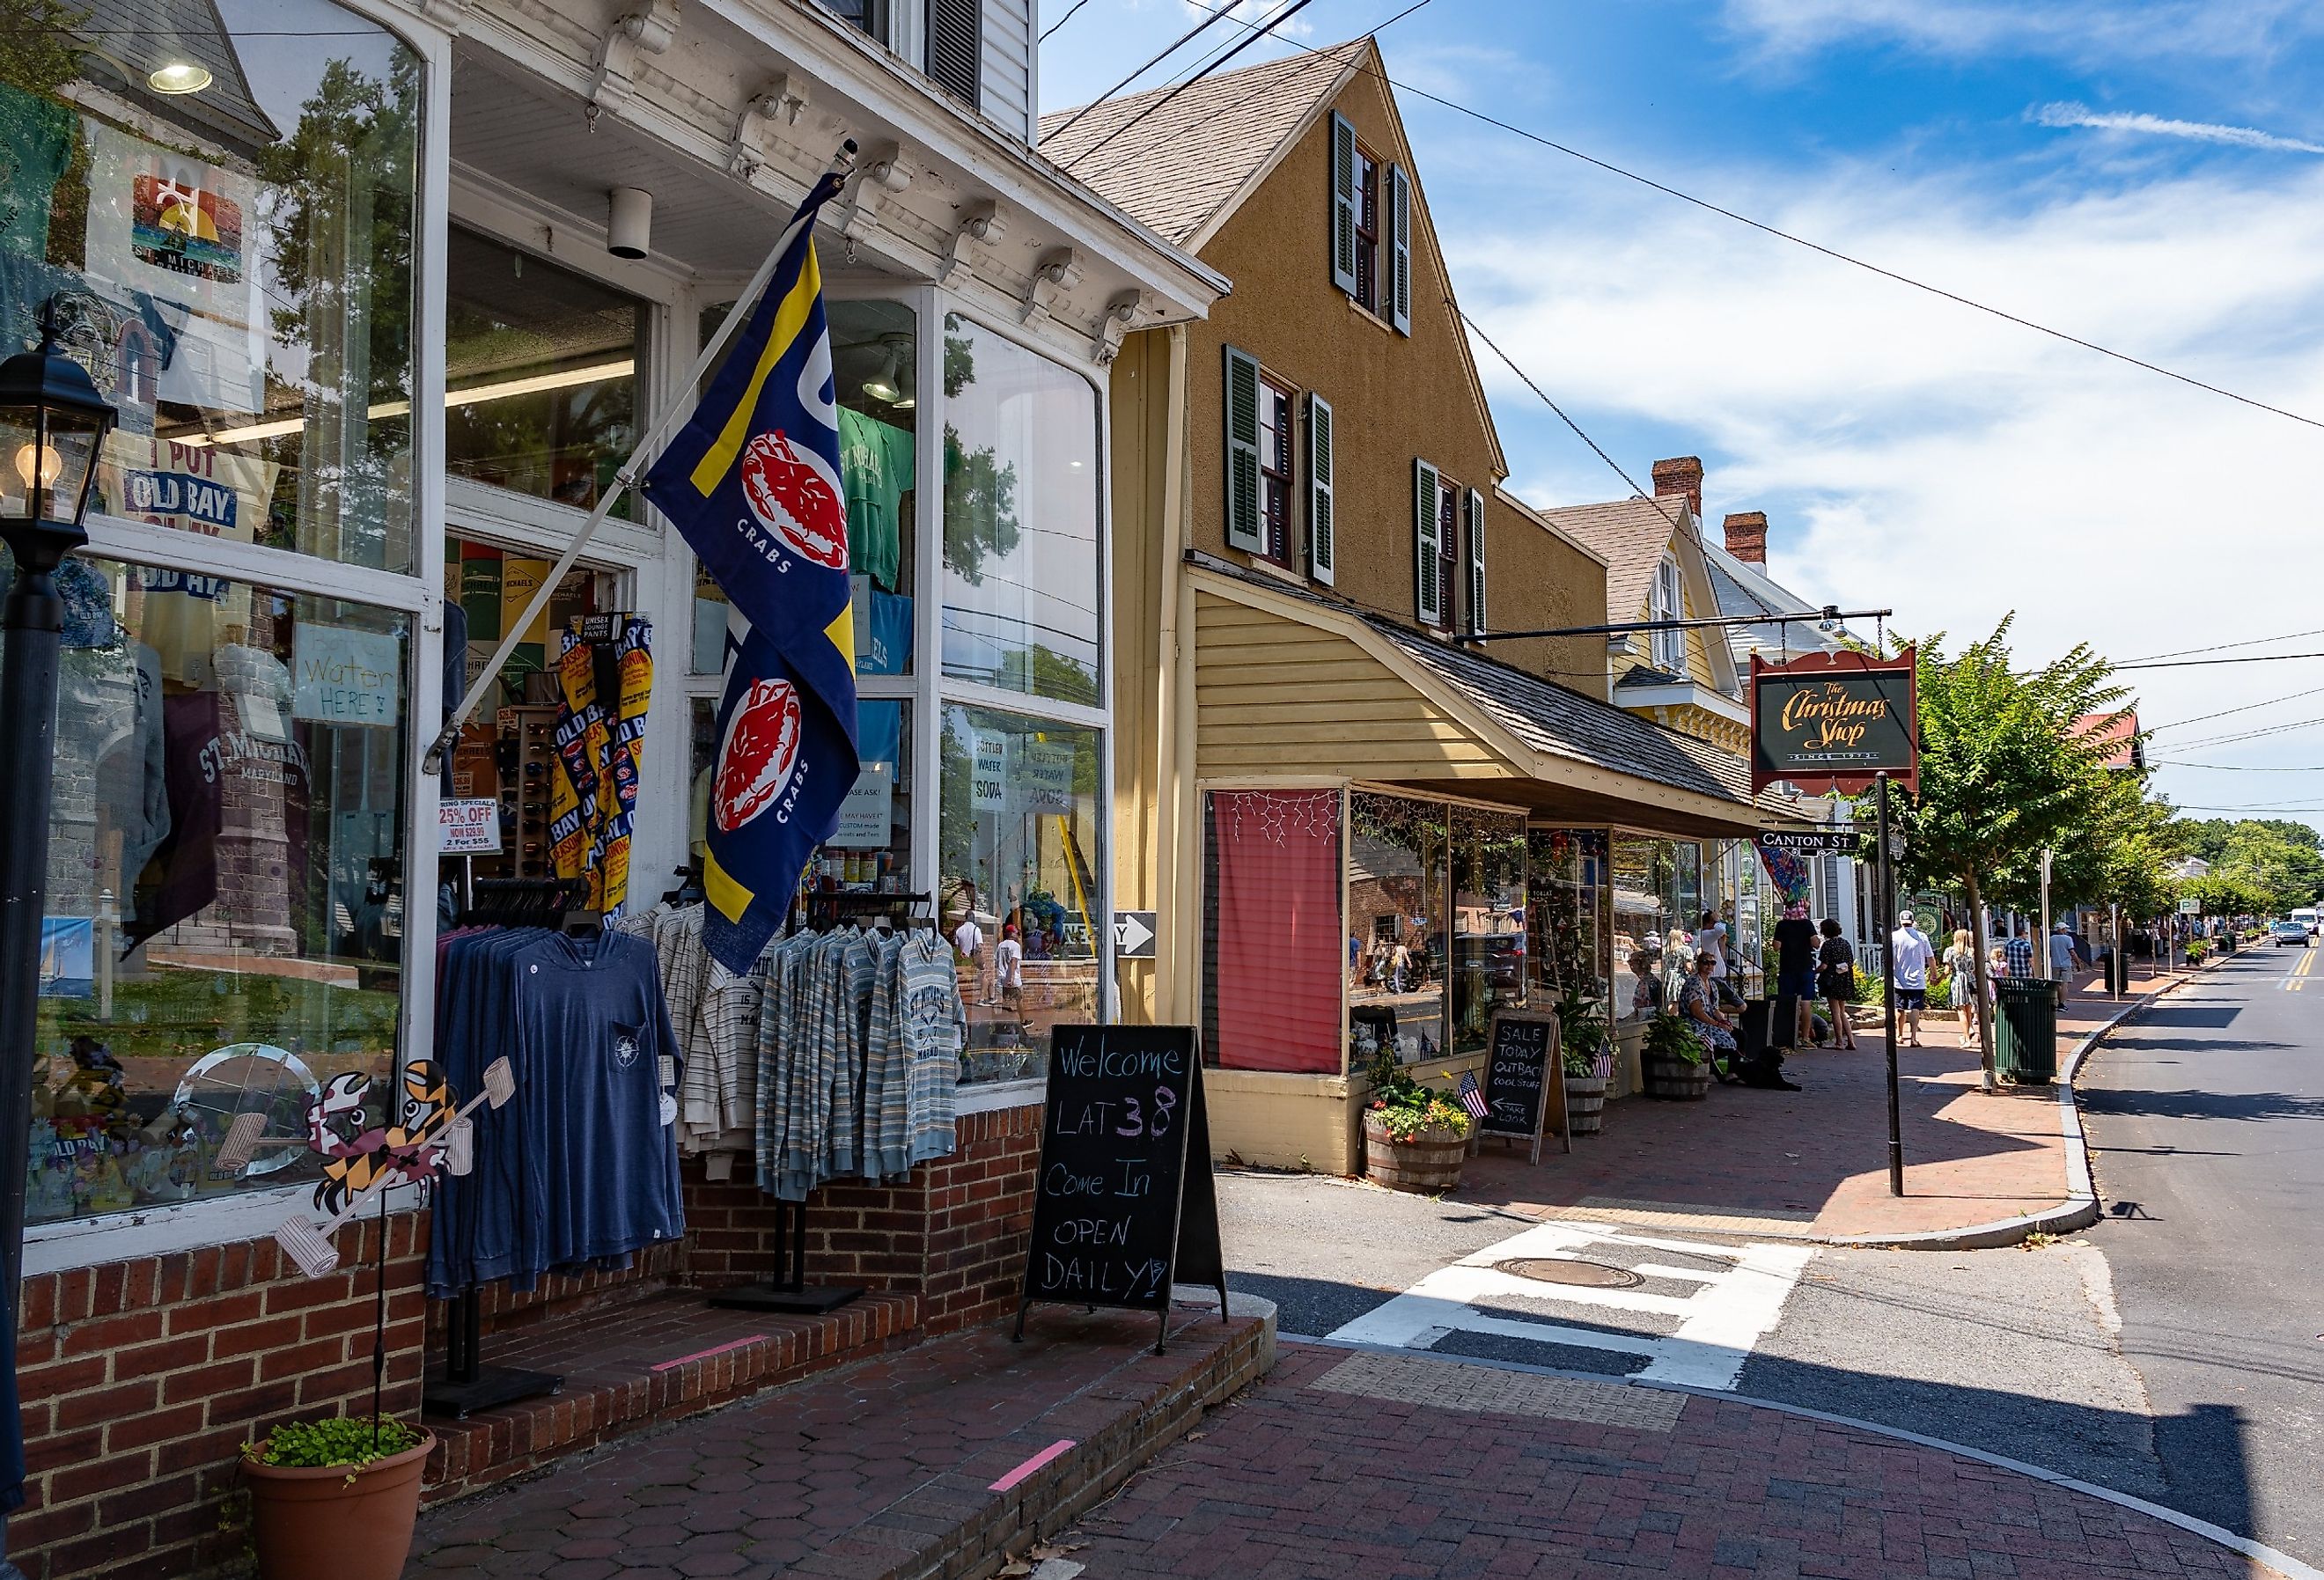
[2292, 932]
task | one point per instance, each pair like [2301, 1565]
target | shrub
[349, 1440]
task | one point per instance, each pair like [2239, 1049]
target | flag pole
[626, 477]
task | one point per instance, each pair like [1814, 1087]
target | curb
[2079, 1210]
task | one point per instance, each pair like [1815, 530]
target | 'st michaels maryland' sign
[1833, 721]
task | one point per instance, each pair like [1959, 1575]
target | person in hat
[1910, 954]
[2062, 959]
[1795, 968]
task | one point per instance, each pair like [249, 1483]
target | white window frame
[1669, 603]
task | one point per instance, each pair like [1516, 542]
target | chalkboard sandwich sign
[1525, 1079]
[1124, 1205]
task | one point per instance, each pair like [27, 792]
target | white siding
[1010, 81]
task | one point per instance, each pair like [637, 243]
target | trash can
[2025, 1041]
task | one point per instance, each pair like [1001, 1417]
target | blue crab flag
[752, 482]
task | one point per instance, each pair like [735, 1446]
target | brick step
[654, 1359]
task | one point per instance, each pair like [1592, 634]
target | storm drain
[1561, 1270]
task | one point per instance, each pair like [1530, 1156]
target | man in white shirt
[1009, 956]
[1909, 956]
[968, 940]
[1710, 940]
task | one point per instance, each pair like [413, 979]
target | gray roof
[1631, 535]
[1182, 162]
[1743, 588]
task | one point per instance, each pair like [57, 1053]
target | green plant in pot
[1582, 1032]
[1669, 1041]
[335, 1497]
[1407, 1111]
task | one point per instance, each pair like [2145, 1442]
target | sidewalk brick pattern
[1294, 1482]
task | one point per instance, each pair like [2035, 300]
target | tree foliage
[2261, 866]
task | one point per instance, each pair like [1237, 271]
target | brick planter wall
[142, 1380]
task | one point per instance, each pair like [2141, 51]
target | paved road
[2205, 1116]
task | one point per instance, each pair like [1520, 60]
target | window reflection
[1567, 888]
[1398, 850]
[1019, 519]
[1489, 921]
[541, 373]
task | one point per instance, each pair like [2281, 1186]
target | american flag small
[1471, 1099]
[1601, 1068]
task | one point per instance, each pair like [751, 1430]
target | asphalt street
[2203, 1115]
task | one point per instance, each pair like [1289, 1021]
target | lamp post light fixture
[52, 425]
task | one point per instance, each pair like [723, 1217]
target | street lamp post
[53, 423]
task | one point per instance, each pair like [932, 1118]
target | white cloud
[2068, 113]
[2076, 29]
[1914, 453]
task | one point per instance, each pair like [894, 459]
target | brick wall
[141, 1380]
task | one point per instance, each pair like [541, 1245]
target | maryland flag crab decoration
[752, 482]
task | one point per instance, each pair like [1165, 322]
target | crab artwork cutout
[403, 1153]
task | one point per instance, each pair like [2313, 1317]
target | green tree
[2004, 772]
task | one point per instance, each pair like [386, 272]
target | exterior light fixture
[176, 77]
[629, 222]
[883, 386]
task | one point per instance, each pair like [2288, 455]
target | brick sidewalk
[1815, 1161]
[1331, 1469]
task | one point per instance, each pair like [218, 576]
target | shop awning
[1289, 685]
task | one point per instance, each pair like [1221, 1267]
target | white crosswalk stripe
[1699, 1339]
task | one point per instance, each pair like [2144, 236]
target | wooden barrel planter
[1675, 1080]
[1585, 1103]
[1428, 1164]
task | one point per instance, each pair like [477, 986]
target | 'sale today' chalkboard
[1525, 1079]
[1124, 1205]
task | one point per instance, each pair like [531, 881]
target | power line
[2198, 663]
[2236, 767]
[1283, 13]
[2253, 735]
[2220, 647]
[1780, 234]
[1155, 59]
[2226, 712]
[1061, 21]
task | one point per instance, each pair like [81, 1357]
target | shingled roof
[1177, 167]
[1631, 535]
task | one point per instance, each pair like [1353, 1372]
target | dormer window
[1668, 603]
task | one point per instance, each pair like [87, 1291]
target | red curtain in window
[1278, 948]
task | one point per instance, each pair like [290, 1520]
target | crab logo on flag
[761, 749]
[793, 493]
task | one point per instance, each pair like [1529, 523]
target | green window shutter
[1428, 547]
[1343, 204]
[1244, 529]
[1399, 226]
[1322, 548]
[1473, 523]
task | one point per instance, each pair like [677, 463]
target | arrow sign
[1133, 935]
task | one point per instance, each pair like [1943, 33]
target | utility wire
[2236, 767]
[2247, 707]
[2198, 663]
[1152, 61]
[1800, 241]
[2253, 735]
[2221, 647]
[1061, 21]
[1283, 13]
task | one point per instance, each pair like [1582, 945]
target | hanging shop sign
[1833, 721]
[468, 828]
[1525, 1080]
[1124, 1206]
[1825, 841]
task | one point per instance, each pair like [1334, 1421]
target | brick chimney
[1680, 474]
[1747, 536]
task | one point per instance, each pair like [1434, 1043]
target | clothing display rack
[468, 1384]
[819, 909]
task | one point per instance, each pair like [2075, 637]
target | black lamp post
[53, 423]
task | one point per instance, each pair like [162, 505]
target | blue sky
[2147, 176]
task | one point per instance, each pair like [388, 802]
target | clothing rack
[468, 1384]
[818, 909]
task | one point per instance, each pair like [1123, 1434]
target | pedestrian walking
[1835, 980]
[2062, 959]
[1009, 957]
[1795, 947]
[1961, 961]
[1399, 965]
[1710, 938]
[2019, 952]
[1910, 955]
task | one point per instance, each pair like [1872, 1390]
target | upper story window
[870, 15]
[1275, 469]
[1371, 228]
[1368, 206]
[222, 227]
[541, 388]
[1668, 603]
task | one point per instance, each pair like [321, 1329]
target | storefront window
[225, 903]
[541, 373]
[872, 850]
[1397, 889]
[1021, 858]
[1489, 921]
[1571, 912]
[232, 262]
[1020, 520]
[1274, 953]
[1642, 872]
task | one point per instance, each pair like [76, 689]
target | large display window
[1399, 853]
[1272, 933]
[1571, 913]
[225, 916]
[1489, 921]
[1658, 902]
[219, 221]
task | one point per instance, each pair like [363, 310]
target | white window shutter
[1343, 204]
[1244, 529]
[1322, 547]
[1399, 227]
[1428, 547]
[1473, 528]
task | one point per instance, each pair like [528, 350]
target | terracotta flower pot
[1428, 1164]
[329, 1523]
